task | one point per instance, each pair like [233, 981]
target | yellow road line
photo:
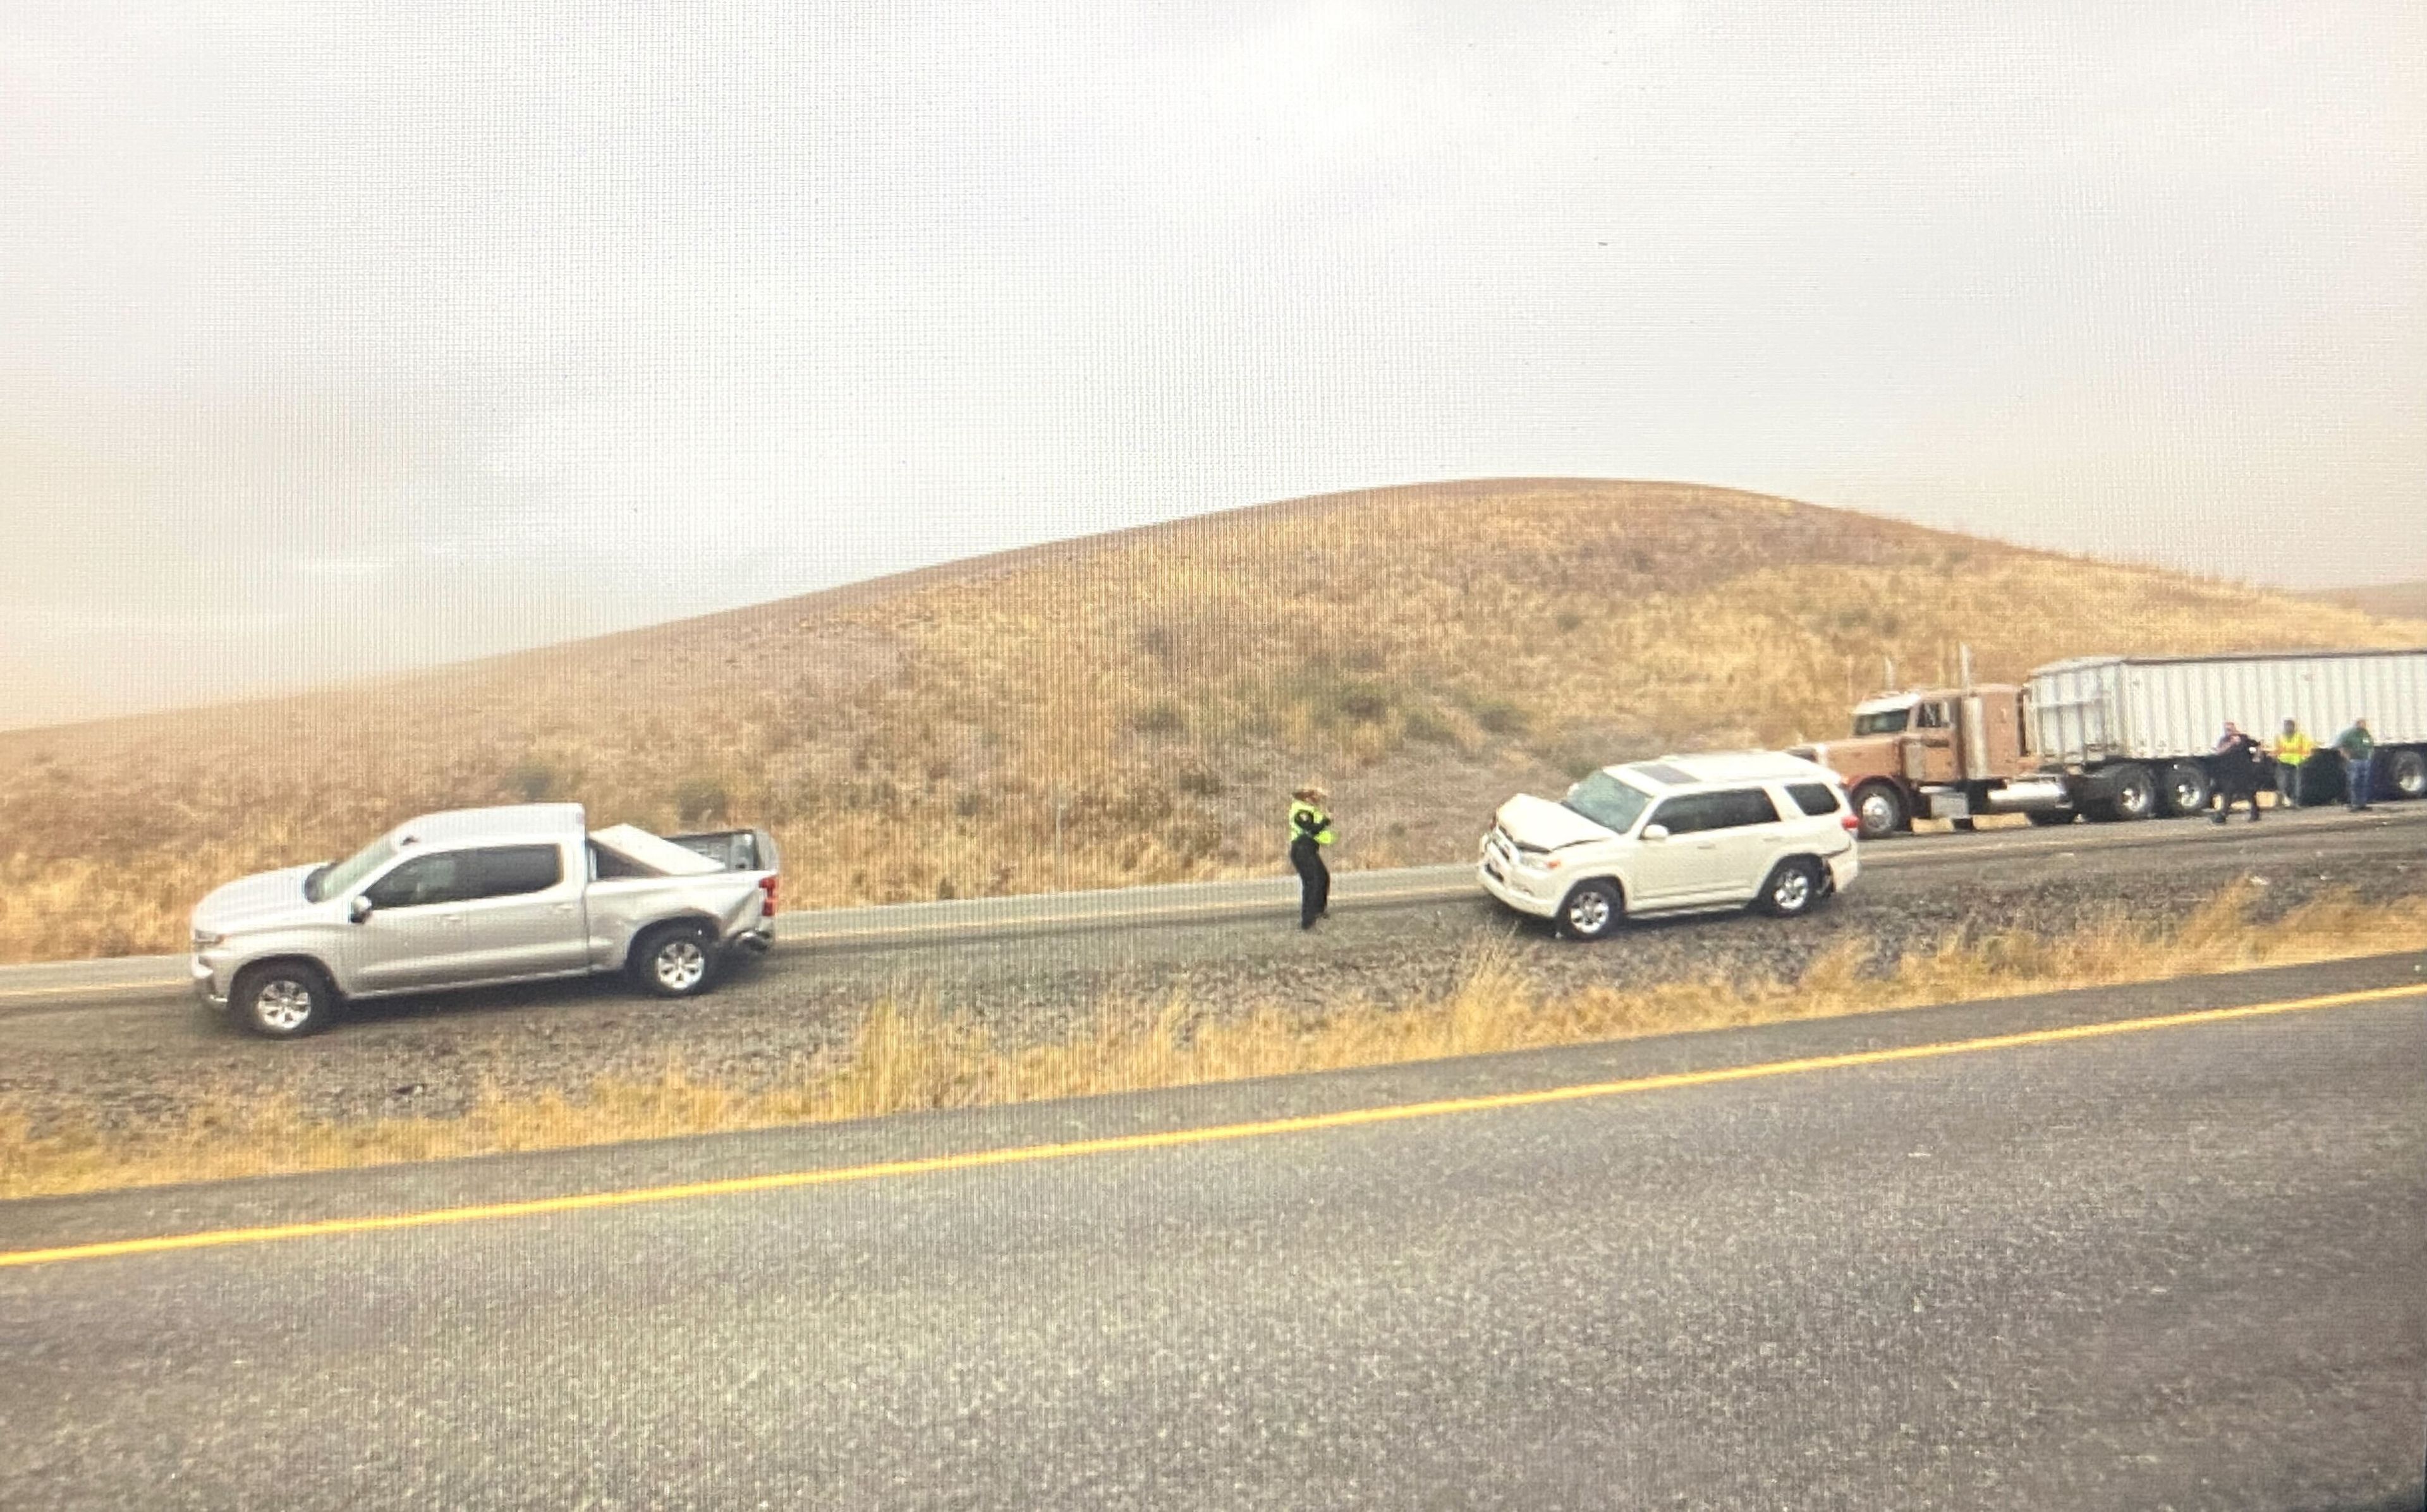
[1351, 1118]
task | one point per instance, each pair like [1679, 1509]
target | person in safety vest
[2292, 748]
[1310, 832]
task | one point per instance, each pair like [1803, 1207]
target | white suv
[1679, 834]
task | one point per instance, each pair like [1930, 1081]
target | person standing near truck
[2358, 750]
[2236, 772]
[2293, 748]
[1310, 832]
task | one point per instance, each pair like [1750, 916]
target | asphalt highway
[2096, 1250]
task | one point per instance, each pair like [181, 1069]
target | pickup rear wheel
[283, 999]
[674, 961]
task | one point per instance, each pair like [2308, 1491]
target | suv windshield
[330, 881]
[1886, 722]
[1607, 802]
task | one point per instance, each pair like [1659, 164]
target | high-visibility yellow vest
[1322, 825]
[2295, 748]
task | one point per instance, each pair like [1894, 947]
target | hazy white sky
[338, 337]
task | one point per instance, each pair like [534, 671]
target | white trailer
[2131, 736]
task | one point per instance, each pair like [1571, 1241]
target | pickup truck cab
[479, 897]
[1683, 834]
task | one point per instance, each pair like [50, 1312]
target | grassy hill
[1125, 708]
[2393, 600]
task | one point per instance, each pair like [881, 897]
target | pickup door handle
[565, 908]
[450, 918]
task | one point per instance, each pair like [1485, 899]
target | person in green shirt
[2358, 750]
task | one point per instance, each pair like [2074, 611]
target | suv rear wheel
[1795, 885]
[1592, 910]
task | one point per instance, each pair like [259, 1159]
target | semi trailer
[2121, 737]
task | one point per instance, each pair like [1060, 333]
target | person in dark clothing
[2237, 763]
[1310, 832]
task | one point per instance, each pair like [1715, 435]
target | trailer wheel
[1880, 809]
[2407, 774]
[2132, 794]
[2187, 788]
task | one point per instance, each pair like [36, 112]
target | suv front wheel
[1592, 910]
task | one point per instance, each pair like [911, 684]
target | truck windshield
[1607, 802]
[1885, 721]
[330, 881]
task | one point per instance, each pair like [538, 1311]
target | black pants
[1313, 882]
[2240, 791]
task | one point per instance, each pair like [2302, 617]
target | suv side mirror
[1656, 832]
[360, 909]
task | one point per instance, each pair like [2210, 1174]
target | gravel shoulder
[153, 1060]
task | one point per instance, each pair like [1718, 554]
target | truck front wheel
[674, 961]
[1880, 809]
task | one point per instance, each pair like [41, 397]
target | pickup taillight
[767, 884]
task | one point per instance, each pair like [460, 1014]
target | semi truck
[2121, 737]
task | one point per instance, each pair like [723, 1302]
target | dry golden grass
[1124, 709]
[905, 1058]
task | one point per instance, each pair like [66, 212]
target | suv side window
[1689, 814]
[421, 881]
[1732, 809]
[512, 870]
[1816, 799]
[1744, 807]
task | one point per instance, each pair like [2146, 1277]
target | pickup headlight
[204, 939]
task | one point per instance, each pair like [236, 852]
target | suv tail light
[768, 885]
[1852, 824]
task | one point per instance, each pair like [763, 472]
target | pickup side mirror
[1656, 832]
[360, 909]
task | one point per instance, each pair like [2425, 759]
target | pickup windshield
[1607, 802]
[330, 881]
[1886, 722]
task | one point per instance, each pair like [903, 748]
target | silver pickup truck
[481, 896]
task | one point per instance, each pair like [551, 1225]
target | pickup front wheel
[283, 999]
[674, 961]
